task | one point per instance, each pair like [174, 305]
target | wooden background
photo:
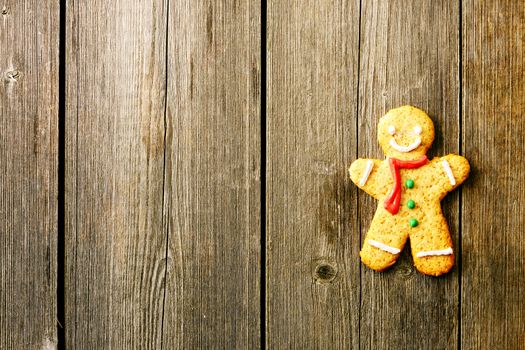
[173, 172]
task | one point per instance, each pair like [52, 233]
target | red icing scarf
[394, 198]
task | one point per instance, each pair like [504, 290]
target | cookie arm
[450, 172]
[367, 175]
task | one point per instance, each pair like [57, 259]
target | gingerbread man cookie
[409, 188]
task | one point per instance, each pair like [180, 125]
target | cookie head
[405, 133]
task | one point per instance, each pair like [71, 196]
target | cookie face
[405, 133]
[409, 188]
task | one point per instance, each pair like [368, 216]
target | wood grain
[493, 276]
[163, 152]
[312, 233]
[28, 173]
[213, 175]
[115, 257]
[409, 55]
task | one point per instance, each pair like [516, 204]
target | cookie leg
[432, 249]
[381, 249]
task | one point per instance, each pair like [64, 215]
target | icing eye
[417, 130]
[391, 130]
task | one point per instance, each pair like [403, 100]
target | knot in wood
[405, 271]
[12, 76]
[325, 273]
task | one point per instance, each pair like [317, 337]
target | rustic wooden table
[173, 173]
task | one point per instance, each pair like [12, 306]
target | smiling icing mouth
[405, 149]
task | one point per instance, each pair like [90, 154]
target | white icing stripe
[366, 174]
[447, 251]
[384, 247]
[405, 149]
[449, 173]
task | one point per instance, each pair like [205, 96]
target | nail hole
[5, 11]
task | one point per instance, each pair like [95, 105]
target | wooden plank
[29, 33]
[312, 229]
[493, 278]
[115, 110]
[409, 55]
[213, 175]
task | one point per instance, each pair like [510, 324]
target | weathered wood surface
[312, 229]
[493, 268]
[212, 191]
[162, 191]
[409, 55]
[28, 173]
[115, 257]
[162, 178]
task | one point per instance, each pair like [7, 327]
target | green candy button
[411, 204]
[409, 183]
[413, 222]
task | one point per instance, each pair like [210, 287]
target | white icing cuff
[449, 173]
[447, 251]
[366, 174]
[405, 149]
[384, 247]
